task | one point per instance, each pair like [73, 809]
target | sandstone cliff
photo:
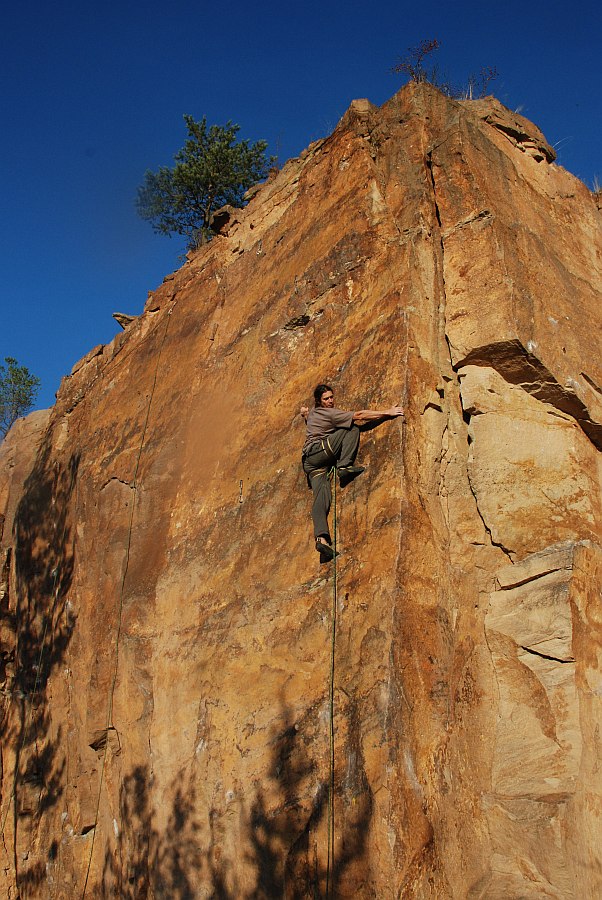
[166, 626]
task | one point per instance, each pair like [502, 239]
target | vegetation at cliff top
[211, 170]
[413, 65]
[18, 391]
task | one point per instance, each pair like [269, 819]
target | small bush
[413, 65]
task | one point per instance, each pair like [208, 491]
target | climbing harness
[324, 446]
[331, 785]
[109, 720]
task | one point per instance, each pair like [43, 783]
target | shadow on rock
[37, 625]
[287, 829]
[280, 839]
[145, 863]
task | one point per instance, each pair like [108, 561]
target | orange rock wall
[166, 624]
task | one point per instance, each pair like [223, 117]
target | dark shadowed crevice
[570, 659]
[429, 166]
[529, 578]
[298, 322]
[517, 366]
[595, 387]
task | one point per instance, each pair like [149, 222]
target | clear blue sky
[94, 94]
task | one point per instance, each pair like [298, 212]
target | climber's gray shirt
[321, 422]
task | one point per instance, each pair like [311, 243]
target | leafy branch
[18, 391]
[212, 169]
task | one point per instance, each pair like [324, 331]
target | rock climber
[332, 441]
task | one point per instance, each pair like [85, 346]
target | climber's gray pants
[339, 449]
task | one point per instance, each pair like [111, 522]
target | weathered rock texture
[166, 625]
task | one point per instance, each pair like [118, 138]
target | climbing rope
[109, 719]
[330, 855]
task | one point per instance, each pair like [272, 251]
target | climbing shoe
[348, 473]
[325, 550]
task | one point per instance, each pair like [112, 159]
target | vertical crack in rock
[473, 490]
[439, 255]
[3, 838]
[470, 452]
[443, 464]
[150, 743]
[429, 165]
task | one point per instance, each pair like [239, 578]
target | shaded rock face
[166, 626]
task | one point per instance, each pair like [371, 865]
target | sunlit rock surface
[166, 625]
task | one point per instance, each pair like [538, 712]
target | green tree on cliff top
[211, 170]
[18, 391]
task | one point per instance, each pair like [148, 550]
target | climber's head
[324, 396]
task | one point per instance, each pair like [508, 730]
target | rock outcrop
[166, 626]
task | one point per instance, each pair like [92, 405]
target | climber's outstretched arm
[375, 416]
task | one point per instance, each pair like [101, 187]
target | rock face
[167, 629]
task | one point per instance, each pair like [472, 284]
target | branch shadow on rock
[280, 849]
[40, 623]
[286, 829]
[144, 862]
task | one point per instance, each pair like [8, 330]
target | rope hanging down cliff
[109, 719]
[330, 854]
